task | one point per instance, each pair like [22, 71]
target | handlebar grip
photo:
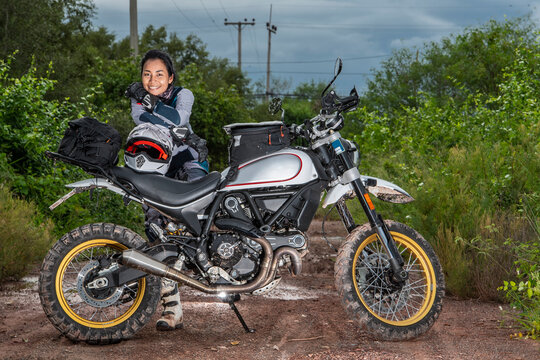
[297, 130]
[348, 99]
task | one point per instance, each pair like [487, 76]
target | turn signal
[368, 199]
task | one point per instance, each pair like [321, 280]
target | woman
[157, 101]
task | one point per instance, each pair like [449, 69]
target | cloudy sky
[312, 33]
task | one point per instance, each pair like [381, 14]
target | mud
[301, 319]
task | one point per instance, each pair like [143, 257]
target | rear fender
[89, 184]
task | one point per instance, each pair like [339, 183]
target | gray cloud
[310, 32]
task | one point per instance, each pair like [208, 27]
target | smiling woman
[158, 106]
[155, 77]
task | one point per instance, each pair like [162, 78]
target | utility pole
[239, 25]
[271, 30]
[133, 32]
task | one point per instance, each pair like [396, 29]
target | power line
[184, 15]
[227, 16]
[307, 72]
[225, 11]
[254, 42]
[239, 25]
[210, 16]
[319, 61]
[366, 27]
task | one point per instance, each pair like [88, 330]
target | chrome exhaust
[143, 262]
[296, 262]
[295, 259]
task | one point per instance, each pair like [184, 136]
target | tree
[310, 90]
[456, 66]
[52, 30]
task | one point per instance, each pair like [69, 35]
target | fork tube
[376, 221]
[345, 215]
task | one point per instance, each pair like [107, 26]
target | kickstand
[231, 300]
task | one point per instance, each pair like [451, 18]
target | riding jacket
[171, 112]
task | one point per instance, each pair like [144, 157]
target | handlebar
[333, 103]
[330, 117]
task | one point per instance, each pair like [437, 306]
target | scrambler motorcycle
[230, 235]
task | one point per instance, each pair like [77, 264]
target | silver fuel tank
[285, 167]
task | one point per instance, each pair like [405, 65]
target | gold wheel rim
[425, 279]
[59, 280]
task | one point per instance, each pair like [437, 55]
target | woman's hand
[136, 91]
[139, 93]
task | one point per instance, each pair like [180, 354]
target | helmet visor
[150, 148]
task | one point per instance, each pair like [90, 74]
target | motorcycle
[230, 233]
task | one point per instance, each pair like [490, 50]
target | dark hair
[162, 55]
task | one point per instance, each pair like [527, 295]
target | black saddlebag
[252, 140]
[92, 142]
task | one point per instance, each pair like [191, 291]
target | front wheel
[363, 279]
[74, 301]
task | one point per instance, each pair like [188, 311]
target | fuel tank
[286, 167]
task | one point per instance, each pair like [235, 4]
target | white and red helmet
[149, 149]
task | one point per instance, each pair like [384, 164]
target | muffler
[143, 262]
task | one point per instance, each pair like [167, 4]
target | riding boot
[171, 317]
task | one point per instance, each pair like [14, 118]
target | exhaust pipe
[143, 262]
[295, 259]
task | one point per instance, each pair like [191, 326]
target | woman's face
[155, 77]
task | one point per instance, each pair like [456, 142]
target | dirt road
[301, 319]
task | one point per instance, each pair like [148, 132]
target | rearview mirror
[338, 66]
[274, 106]
[337, 70]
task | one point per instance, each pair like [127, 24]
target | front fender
[381, 189]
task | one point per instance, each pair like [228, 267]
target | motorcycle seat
[167, 191]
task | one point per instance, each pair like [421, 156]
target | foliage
[57, 31]
[26, 236]
[468, 164]
[278, 86]
[525, 295]
[30, 125]
[468, 63]
[213, 110]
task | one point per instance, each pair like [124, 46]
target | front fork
[399, 275]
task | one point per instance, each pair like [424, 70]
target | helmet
[148, 149]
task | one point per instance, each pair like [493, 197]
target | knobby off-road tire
[369, 297]
[86, 315]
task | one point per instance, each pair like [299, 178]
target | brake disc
[373, 278]
[95, 297]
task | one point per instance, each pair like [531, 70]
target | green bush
[26, 236]
[524, 292]
[468, 165]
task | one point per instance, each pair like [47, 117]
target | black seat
[167, 191]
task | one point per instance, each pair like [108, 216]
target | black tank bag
[252, 140]
[91, 141]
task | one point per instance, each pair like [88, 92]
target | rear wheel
[363, 279]
[75, 302]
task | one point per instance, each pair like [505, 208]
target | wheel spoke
[379, 294]
[91, 305]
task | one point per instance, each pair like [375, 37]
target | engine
[230, 252]
[234, 255]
